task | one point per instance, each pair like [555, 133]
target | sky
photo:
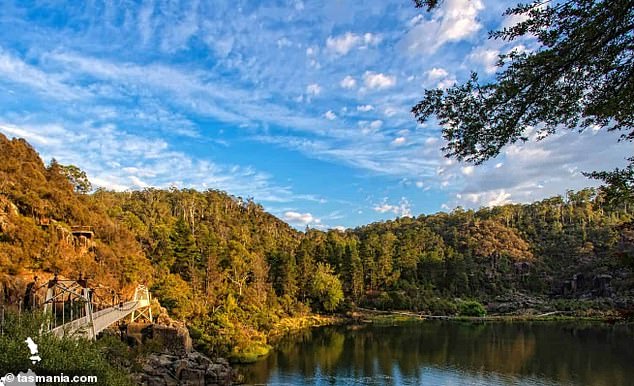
[302, 106]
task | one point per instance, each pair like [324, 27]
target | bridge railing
[74, 308]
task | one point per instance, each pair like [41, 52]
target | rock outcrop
[192, 369]
[177, 363]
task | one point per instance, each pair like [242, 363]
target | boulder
[192, 369]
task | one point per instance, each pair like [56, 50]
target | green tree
[283, 273]
[327, 290]
[581, 76]
[352, 271]
[185, 253]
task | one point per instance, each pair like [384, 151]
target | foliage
[471, 308]
[59, 355]
[579, 77]
[76, 176]
[233, 271]
[327, 290]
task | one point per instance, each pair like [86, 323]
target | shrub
[70, 356]
[440, 306]
[472, 308]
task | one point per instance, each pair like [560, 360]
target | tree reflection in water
[452, 353]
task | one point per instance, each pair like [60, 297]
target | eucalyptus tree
[580, 76]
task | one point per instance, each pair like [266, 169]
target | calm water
[452, 353]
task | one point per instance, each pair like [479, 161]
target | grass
[296, 323]
[249, 354]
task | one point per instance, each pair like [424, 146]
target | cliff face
[38, 210]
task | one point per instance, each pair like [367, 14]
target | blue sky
[304, 106]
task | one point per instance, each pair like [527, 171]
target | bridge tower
[144, 310]
[68, 301]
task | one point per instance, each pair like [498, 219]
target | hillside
[234, 271]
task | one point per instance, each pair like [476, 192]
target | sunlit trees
[326, 288]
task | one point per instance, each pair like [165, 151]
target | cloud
[440, 77]
[348, 82]
[436, 74]
[455, 20]
[376, 124]
[375, 80]
[399, 141]
[330, 115]
[402, 209]
[539, 169]
[296, 218]
[18, 71]
[446, 83]
[116, 159]
[486, 58]
[313, 89]
[192, 91]
[341, 45]
[467, 170]
[365, 108]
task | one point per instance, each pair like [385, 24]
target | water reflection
[449, 353]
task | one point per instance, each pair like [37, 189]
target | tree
[327, 289]
[582, 76]
[76, 177]
[185, 253]
[352, 271]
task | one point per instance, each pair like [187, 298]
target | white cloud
[538, 169]
[399, 141]
[330, 115]
[436, 74]
[192, 91]
[375, 80]
[390, 111]
[402, 209]
[371, 39]
[446, 83]
[486, 58]
[455, 20]
[296, 218]
[440, 77]
[348, 82]
[376, 124]
[365, 108]
[341, 45]
[51, 84]
[313, 89]
[420, 184]
[468, 170]
[119, 160]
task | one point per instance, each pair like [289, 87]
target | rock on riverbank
[191, 369]
[176, 363]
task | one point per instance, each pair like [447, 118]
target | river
[452, 353]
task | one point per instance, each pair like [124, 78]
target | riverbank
[392, 317]
[284, 327]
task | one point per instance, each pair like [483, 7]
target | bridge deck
[101, 320]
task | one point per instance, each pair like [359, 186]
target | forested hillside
[233, 271]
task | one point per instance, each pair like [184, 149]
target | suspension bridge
[75, 309]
